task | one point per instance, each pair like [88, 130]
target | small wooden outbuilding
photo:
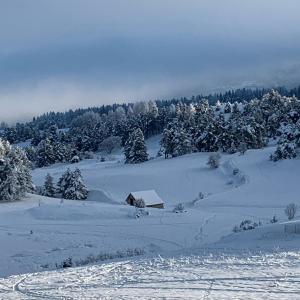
[148, 198]
[292, 227]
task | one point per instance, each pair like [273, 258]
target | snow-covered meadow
[40, 234]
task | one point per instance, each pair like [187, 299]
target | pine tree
[135, 148]
[15, 178]
[9, 187]
[284, 150]
[62, 182]
[227, 108]
[168, 141]
[45, 155]
[49, 189]
[183, 143]
[74, 187]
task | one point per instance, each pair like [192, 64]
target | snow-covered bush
[291, 210]
[235, 171]
[199, 197]
[274, 219]
[140, 212]
[75, 159]
[214, 160]
[67, 263]
[284, 151]
[242, 148]
[245, 225]
[179, 208]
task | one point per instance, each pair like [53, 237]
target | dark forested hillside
[230, 122]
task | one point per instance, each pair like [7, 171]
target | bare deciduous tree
[291, 210]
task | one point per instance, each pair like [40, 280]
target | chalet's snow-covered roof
[150, 197]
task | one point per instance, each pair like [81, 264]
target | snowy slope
[39, 233]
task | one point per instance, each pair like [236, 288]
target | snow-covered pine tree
[15, 178]
[74, 187]
[168, 141]
[49, 189]
[183, 142]
[227, 108]
[45, 153]
[9, 186]
[61, 184]
[135, 149]
[284, 150]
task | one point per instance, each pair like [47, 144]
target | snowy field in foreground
[247, 276]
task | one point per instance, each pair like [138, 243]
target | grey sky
[60, 54]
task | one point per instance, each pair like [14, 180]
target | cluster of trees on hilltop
[232, 128]
[91, 132]
[21, 132]
[188, 125]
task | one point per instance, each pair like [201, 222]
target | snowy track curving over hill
[250, 276]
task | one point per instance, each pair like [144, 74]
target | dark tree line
[187, 125]
[21, 132]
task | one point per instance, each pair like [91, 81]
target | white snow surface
[189, 255]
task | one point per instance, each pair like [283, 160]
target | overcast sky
[61, 54]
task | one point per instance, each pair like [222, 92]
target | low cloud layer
[57, 55]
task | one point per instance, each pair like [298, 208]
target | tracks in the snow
[273, 276]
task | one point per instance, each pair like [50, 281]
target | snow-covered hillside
[40, 234]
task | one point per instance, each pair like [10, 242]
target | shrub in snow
[242, 148]
[236, 229]
[49, 189]
[140, 212]
[284, 151]
[67, 263]
[200, 196]
[274, 220]
[291, 210]
[75, 159]
[245, 225]
[214, 160]
[235, 171]
[179, 208]
[102, 159]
